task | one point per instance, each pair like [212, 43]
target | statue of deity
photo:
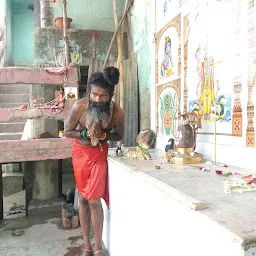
[185, 141]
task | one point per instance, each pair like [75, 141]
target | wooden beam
[65, 36]
[114, 36]
[120, 57]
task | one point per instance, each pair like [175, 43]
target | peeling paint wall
[48, 45]
[140, 20]
[90, 14]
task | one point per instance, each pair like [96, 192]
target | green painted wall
[90, 14]
[140, 20]
[22, 28]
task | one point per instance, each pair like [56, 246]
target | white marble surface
[235, 213]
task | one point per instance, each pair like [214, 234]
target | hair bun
[111, 75]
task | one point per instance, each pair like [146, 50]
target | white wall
[230, 150]
[144, 220]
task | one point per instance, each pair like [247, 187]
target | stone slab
[11, 114]
[24, 75]
[34, 150]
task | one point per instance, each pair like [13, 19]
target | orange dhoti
[91, 171]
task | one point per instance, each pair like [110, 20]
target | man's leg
[85, 221]
[97, 223]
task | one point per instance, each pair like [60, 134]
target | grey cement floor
[40, 234]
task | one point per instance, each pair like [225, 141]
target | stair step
[11, 105]
[11, 136]
[13, 98]
[14, 127]
[14, 88]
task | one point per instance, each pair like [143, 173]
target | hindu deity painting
[206, 97]
[168, 98]
[165, 10]
[208, 66]
[167, 65]
[168, 52]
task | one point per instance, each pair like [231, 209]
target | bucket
[59, 22]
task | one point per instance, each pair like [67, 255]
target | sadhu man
[89, 124]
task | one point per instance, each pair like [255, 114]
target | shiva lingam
[185, 141]
[145, 140]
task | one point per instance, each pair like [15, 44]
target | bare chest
[82, 123]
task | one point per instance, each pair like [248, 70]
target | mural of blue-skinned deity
[167, 62]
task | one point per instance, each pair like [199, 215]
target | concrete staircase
[12, 96]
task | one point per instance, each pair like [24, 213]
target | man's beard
[97, 111]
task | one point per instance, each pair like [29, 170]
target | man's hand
[95, 131]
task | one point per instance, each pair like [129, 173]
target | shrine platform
[176, 210]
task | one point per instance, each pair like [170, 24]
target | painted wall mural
[168, 110]
[208, 69]
[237, 117]
[165, 10]
[250, 131]
[218, 46]
[168, 52]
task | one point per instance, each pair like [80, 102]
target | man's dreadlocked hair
[106, 80]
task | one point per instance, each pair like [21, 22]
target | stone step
[10, 136]
[14, 88]
[13, 98]
[10, 105]
[11, 127]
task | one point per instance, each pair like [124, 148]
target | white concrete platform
[155, 210]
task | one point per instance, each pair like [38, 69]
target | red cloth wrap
[91, 171]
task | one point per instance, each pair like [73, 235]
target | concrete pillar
[46, 180]
[46, 13]
[44, 184]
[37, 14]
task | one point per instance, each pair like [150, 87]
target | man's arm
[72, 122]
[118, 134]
